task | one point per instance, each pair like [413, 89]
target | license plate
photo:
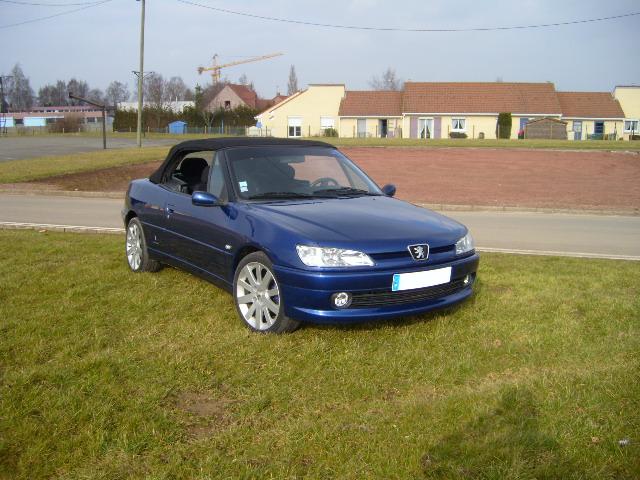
[429, 278]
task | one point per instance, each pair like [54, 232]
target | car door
[200, 236]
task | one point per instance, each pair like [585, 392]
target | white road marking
[82, 228]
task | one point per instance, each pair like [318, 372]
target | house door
[425, 128]
[383, 127]
[362, 127]
[577, 130]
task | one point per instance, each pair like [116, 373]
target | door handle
[170, 209]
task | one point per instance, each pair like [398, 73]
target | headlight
[465, 244]
[332, 257]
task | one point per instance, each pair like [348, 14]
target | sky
[101, 43]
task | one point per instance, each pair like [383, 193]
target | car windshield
[272, 173]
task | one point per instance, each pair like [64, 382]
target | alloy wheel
[258, 296]
[134, 246]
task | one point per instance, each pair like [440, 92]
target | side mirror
[204, 199]
[389, 190]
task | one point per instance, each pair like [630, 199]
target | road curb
[62, 193]
[443, 207]
[59, 228]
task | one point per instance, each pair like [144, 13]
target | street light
[101, 106]
[140, 77]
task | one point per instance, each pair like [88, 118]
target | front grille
[383, 298]
[402, 254]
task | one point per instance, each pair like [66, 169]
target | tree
[292, 85]
[117, 92]
[503, 126]
[19, 91]
[48, 95]
[243, 80]
[154, 90]
[175, 89]
[388, 81]
[79, 88]
[96, 95]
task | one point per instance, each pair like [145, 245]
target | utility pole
[101, 106]
[140, 78]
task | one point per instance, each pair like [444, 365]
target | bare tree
[96, 95]
[48, 95]
[243, 80]
[154, 90]
[19, 91]
[117, 92]
[79, 88]
[388, 81]
[292, 85]
[175, 89]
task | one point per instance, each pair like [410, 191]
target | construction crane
[215, 68]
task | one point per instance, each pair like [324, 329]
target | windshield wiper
[267, 195]
[343, 191]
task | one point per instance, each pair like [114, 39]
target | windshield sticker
[243, 186]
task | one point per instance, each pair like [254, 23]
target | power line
[67, 12]
[398, 29]
[49, 4]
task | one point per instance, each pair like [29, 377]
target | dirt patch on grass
[115, 179]
[597, 180]
[206, 414]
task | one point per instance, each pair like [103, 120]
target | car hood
[375, 223]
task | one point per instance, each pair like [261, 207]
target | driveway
[597, 236]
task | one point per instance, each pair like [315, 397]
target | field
[551, 179]
[105, 374]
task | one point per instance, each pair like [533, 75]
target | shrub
[70, 123]
[457, 135]
[503, 128]
[330, 132]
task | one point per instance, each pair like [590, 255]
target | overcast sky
[101, 44]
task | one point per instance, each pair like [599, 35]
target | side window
[189, 172]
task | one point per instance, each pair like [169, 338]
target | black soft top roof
[230, 142]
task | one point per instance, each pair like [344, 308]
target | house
[629, 98]
[438, 109]
[307, 113]
[434, 110]
[40, 117]
[591, 115]
[234, 95]
[371, 114]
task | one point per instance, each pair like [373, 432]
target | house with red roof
[235, 95]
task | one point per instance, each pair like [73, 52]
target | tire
[257, 297]
[135, 249]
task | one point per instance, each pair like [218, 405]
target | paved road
[20, 148]
[541, 233]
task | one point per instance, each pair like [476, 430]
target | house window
[295, 126]
[630, 126]
[458, 124]
[227, 104]
[327, 122]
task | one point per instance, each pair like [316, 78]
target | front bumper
[307, 294]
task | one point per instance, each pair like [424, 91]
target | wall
[588, 127]
[311, 104]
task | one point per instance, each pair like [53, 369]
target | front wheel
[136, 249]
[257, 296]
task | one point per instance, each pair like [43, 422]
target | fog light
[466, 280]
[341, 300]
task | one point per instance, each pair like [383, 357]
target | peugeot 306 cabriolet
[296, 232]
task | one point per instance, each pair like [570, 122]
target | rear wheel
[257, 296]
[136, 249]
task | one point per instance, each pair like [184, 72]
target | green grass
[105, 374]
[42, 167]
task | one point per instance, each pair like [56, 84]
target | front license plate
[429, 278]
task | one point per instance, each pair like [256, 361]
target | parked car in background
[296, 232]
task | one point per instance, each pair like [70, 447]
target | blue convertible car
[296, 232]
